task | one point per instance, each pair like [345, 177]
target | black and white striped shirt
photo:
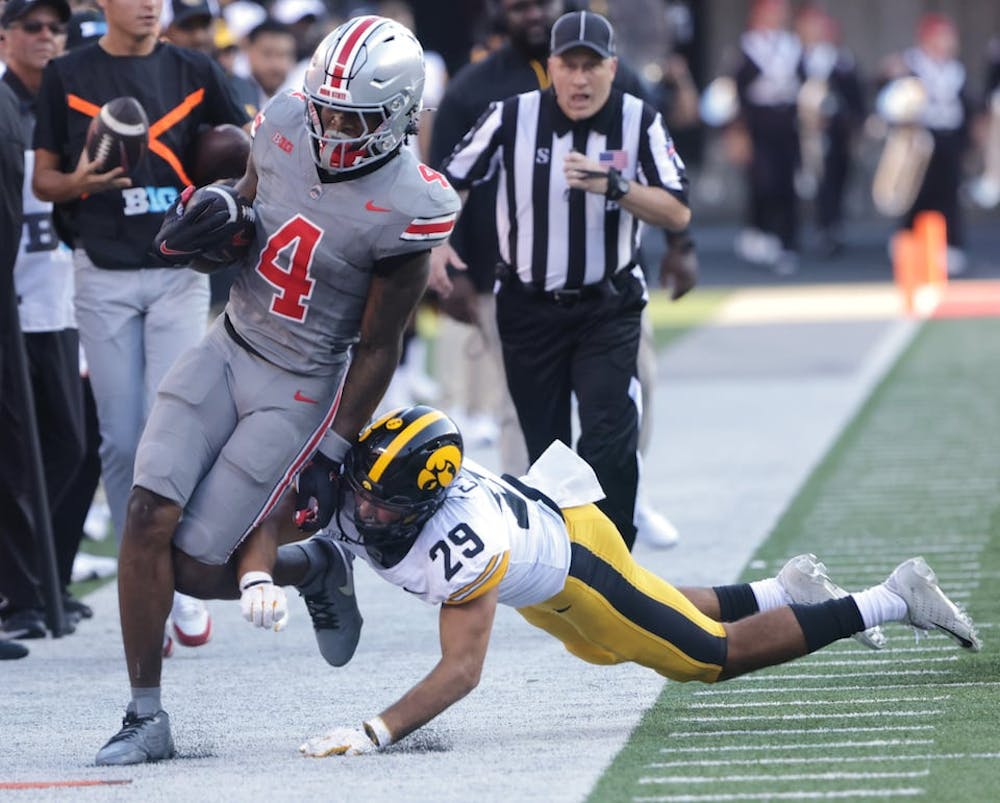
[556, 237]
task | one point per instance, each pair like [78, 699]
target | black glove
[318, 489]
[213, 223]
[679, 268]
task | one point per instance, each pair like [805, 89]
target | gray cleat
[140, 740]
[805, 580]
[329, 594]
[927, 607]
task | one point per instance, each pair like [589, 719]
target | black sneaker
[9, 650]
[141, 740]
[24, 624]
[75, 607]
[329, 594]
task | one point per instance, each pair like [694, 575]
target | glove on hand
[679, 268]
[262, 602]
[212, 222]
[338, 742]
[318, 488]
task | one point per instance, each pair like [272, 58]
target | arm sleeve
[472, 160]
[50, 126]
[659, 163]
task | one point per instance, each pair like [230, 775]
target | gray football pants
[133, 325]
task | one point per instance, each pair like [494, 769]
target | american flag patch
[616, 159]
[429, 228]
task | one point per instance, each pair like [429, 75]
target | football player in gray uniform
[459, 536]
[341, 219]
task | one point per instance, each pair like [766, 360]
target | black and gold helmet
[404, 462]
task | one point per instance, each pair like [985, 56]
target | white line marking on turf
[797, 746]
[772, 676]
[821, 689]
[806, 703]
[801, 731]
[834, 661]
[812, 776]
[791, 717]
[803, 795]
[742, 762]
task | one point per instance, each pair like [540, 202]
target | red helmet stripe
[348, 49]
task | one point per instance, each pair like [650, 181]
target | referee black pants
[588, 347]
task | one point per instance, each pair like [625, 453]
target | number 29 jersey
[486, 534]
[299, 297]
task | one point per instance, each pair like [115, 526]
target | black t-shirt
[179, 89]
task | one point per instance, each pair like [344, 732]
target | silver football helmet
[369, 73]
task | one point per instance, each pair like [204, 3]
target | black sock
[736, 602]
[828, 621]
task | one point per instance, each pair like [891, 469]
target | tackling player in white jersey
[457, 535]
[343, 218]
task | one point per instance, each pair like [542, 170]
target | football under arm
[465, 635]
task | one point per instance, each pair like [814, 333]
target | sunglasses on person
[33, 27]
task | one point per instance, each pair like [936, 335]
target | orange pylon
[931, 234]
[904, 266]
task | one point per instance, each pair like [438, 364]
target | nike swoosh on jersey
[300, 396]
[371, 207]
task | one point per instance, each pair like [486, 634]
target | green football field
[916, 472]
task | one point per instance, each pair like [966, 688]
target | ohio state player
[344, 221]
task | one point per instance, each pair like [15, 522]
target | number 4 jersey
[299, 298]
[486, 534]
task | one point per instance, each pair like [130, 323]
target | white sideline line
[804, 703]
[803, 795]
[801, 731]
[798, 746]
[819, 661]
[794, 689]
[792, 717]
[812, 776]
[950, 647]
[836, 675]
[742, 762]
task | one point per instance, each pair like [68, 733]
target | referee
[580, 167]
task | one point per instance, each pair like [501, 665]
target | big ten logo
[39, 233]
[147, 200]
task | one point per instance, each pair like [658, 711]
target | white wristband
[378, 732]
[334, 446]
[251, 579]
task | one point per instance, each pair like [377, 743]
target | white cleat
[805, 580]
[654, 529]
[927, 606]
[192, 623]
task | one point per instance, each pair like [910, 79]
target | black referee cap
[15, 9]
[583, 29]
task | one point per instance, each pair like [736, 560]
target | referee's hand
[585, 174]
[441, 257]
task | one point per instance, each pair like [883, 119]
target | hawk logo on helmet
[441, 468]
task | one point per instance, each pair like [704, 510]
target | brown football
[218, 153]
[118, 135]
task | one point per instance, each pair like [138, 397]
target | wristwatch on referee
[618, 185]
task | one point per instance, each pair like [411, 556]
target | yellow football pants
[612, 610]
